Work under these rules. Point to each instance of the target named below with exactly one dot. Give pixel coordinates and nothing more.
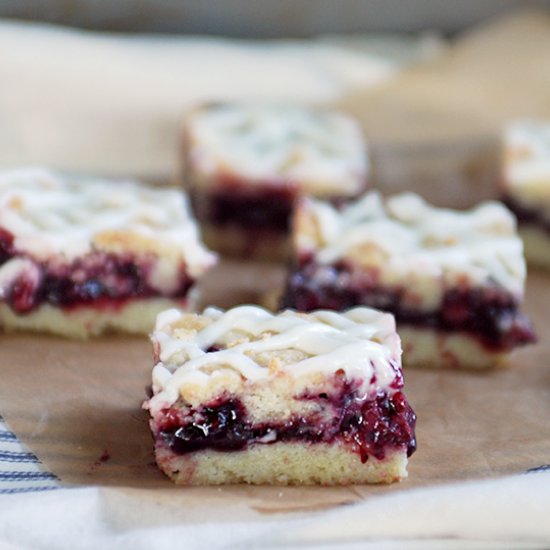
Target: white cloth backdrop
(506, 513)
(112, 104)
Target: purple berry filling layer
(256, 207)
(528, 215)
(97, 279)
(490, 314)
(370, 427)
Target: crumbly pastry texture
(526, 185)
(289, 398)
(526, 162)
(406, 239)
(79, 247)
(246, 165)
(427, 347)
(450, 275)
(322, 152)
(282, 464)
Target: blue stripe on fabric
(542, 468)
(25, 476)
(7, 436)
(17, 456)
(12, 481)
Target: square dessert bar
(526, 185)
(80, 257)
(453, 279)
(246, 396)
(246, 164)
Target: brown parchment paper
(77, 404)
(492, 72)
(439, 122)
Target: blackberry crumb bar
(246, 164)
(526, 185)
(246, 396)
(82, 257)
(453, 279)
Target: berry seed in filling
(314, 398)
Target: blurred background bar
(263, 18)
(432, 82)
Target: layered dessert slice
(526, 185)
(246, 396)
(82, 257)
(246, 164)
(453, 279)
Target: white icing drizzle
(404, 237)
(527, 160)
(323, 152)
(362, 342)
(58, 217)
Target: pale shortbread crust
(426, 347)
(282, 464)
(135, 317)
(240, 242)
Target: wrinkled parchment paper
(77, 405)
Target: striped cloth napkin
(502, 513)
(20, 470)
